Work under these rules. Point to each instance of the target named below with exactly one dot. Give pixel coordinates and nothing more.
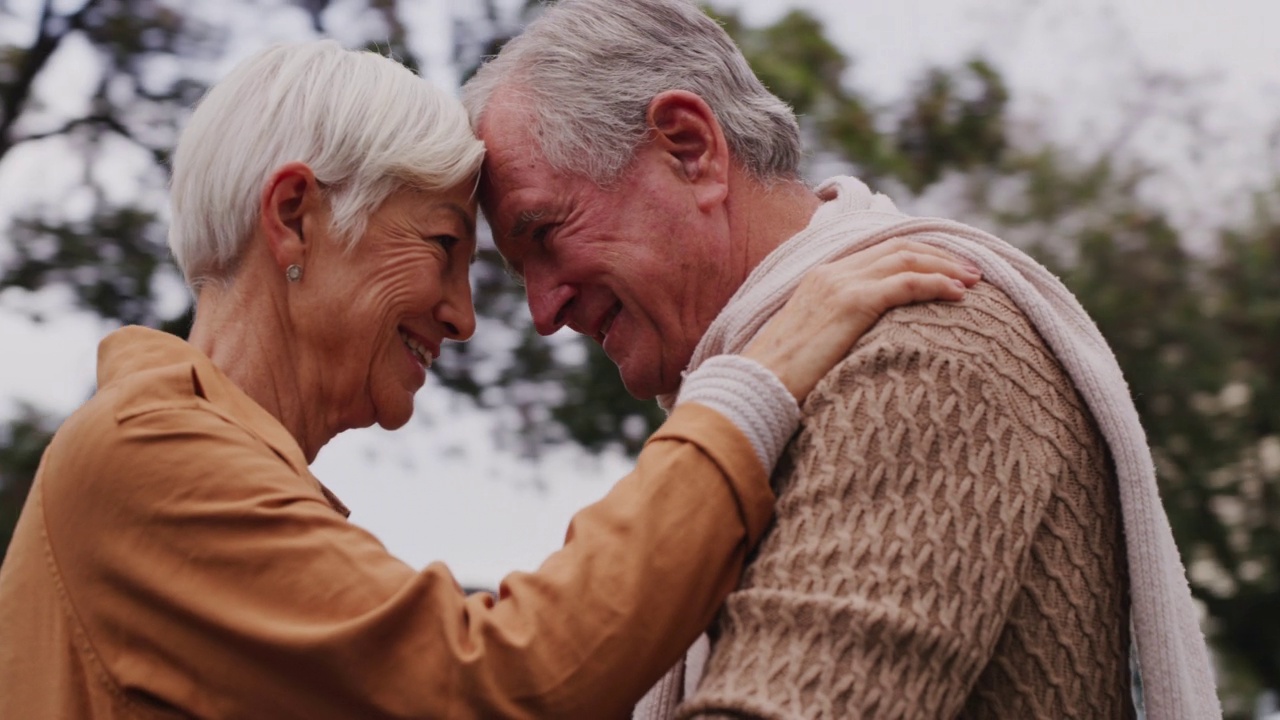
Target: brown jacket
(176, 557)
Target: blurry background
(1134, 147)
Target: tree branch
(33, 61)
(105, 121)
(15, 95)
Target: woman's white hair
(588, 69)
(365, 124)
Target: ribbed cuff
(751, 397)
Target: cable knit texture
(751, 397)
(948, 541)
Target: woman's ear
(686, 129)
(289, 197)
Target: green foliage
(1244, 492)
(793, 59)
(113, 279)
(956, 122)
(955, 119)
(108, 254)
(597, 414)
(22, 442)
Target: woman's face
(383, 308)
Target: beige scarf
(1177, 682)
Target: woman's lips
(420, 352)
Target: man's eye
(446, 241)
(542, 233)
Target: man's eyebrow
(524, 220)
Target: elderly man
(967, 523)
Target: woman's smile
(417, 350)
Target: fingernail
(960, 284)
(973, 269)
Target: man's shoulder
(984, 338)
(985, 319)
(985, 330)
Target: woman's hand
(837, 303)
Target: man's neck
(763, 217)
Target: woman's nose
(456, 312)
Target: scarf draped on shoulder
(1170, 650)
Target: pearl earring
(294, 273)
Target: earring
(294, 273)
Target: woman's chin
(395, 419)
(392, 399)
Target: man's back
(947, 540)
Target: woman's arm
(208, 576)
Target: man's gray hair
(365, 124)
(589, 68)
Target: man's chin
(647, 385)
(639, 393)
(394, 423)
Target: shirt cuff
(751, 397)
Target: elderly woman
(177, 558)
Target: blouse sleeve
(208, 576)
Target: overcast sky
(441, 490)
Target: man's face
(638, 268)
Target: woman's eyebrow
(468, 221)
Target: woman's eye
(446, 241)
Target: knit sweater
(1168, 645)
(947, 540)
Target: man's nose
(549, 302)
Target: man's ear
(291, 200)
(687, 131)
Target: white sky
(441, 490)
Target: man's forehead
(506, 128)
(511, 167)
(505, 197)
(514, 182)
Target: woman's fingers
(909, 256)
(900, 247)
(835, 304)
(911, 287)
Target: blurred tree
(109, 252)
(1199, 338)
(1240, 519)
(22, 442)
